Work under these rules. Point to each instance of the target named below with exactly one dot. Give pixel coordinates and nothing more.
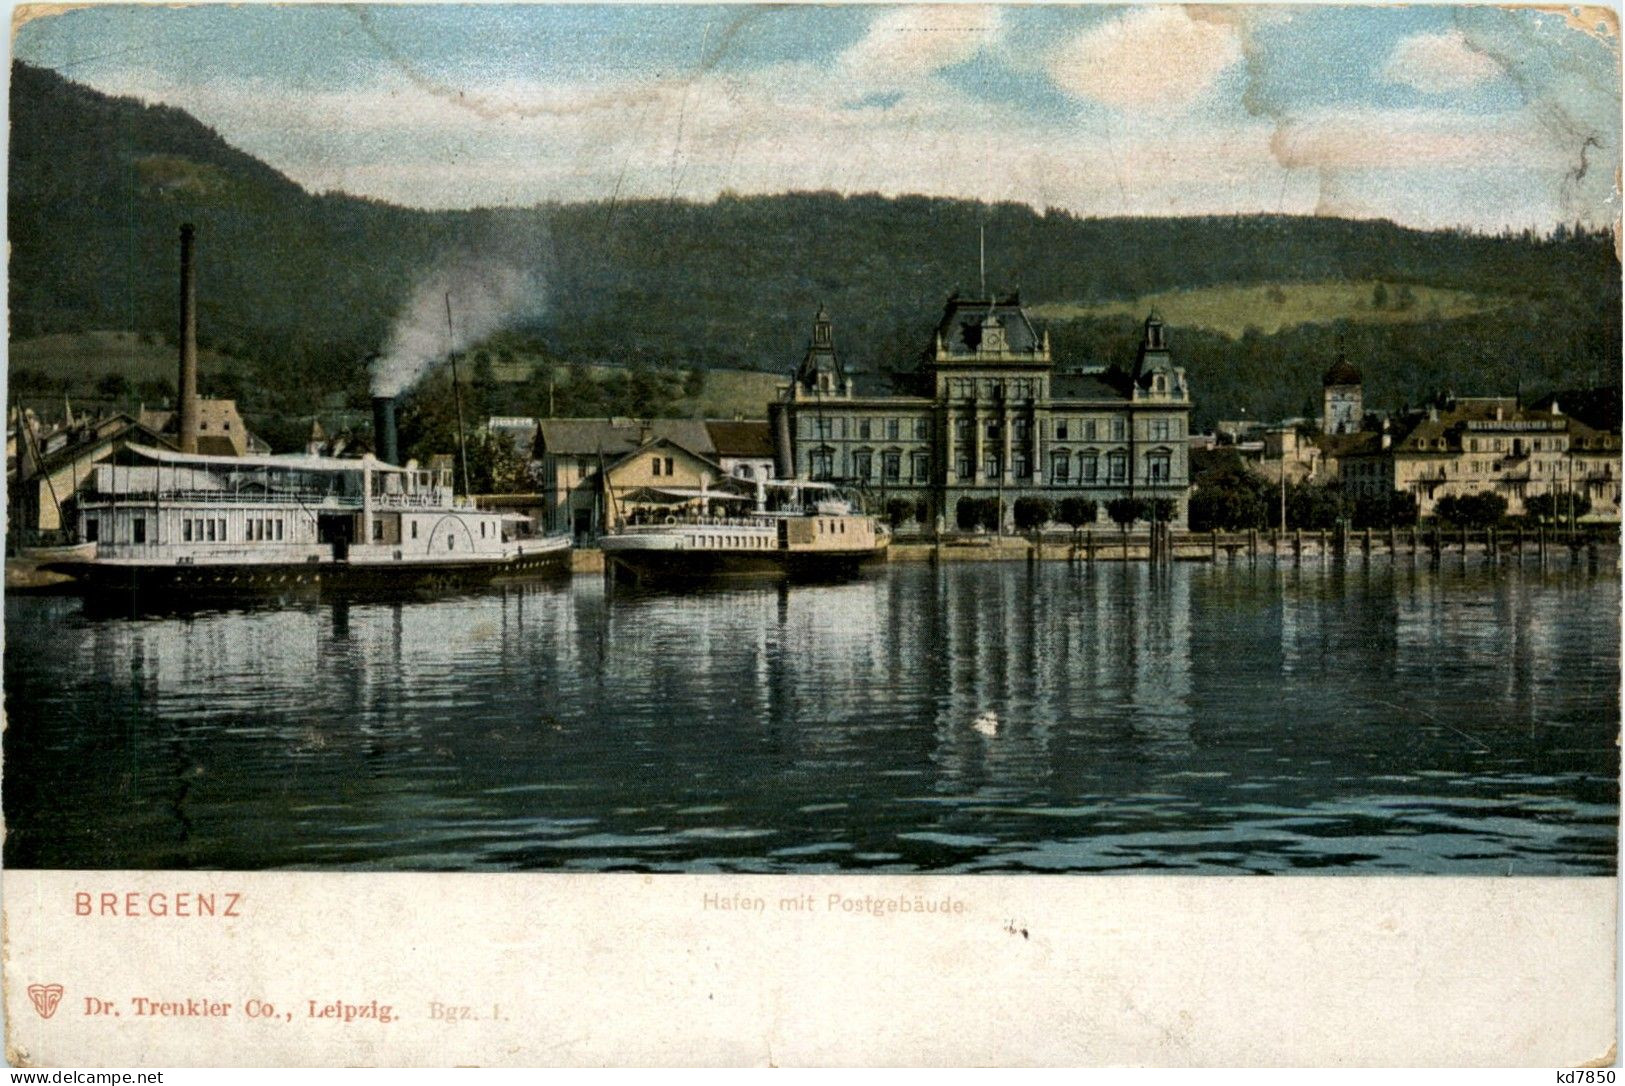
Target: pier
(1593, 547)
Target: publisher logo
(45, 997)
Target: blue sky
(1433, 116)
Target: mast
(981, 240)
(457, 396)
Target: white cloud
(1439, 63)
(1158, 59)
(915, 41)
(1411, 139)
(790, 126)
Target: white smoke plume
(486, 297)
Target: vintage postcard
(804, 535)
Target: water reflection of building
(1090, 667)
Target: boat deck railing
(765, 524)
(275, 496)
(279, 496)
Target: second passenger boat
(790, 530)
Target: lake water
(1381, 718)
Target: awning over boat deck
(280, 462)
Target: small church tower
(1155, 375)
(1341, 408)
(821, 371)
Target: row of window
(867, 429)
(1017, 388)
(1159, 466)
(264, 529)
(747, 542)
(891, 466)
(209, 530)
(199, 529)
(1064, 429)
(1499, 444)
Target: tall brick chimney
(187, 390)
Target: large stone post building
(988, 412)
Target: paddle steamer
(167, 526)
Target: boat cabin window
(93, 530)
(378, 531)
(186, 531)
(138, 526)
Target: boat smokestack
(383, 429)
(186, 390)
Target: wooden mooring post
(1297, 545)
(1213, 543)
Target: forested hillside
(301, 287)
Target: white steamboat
(806, 532)
(178, 527)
